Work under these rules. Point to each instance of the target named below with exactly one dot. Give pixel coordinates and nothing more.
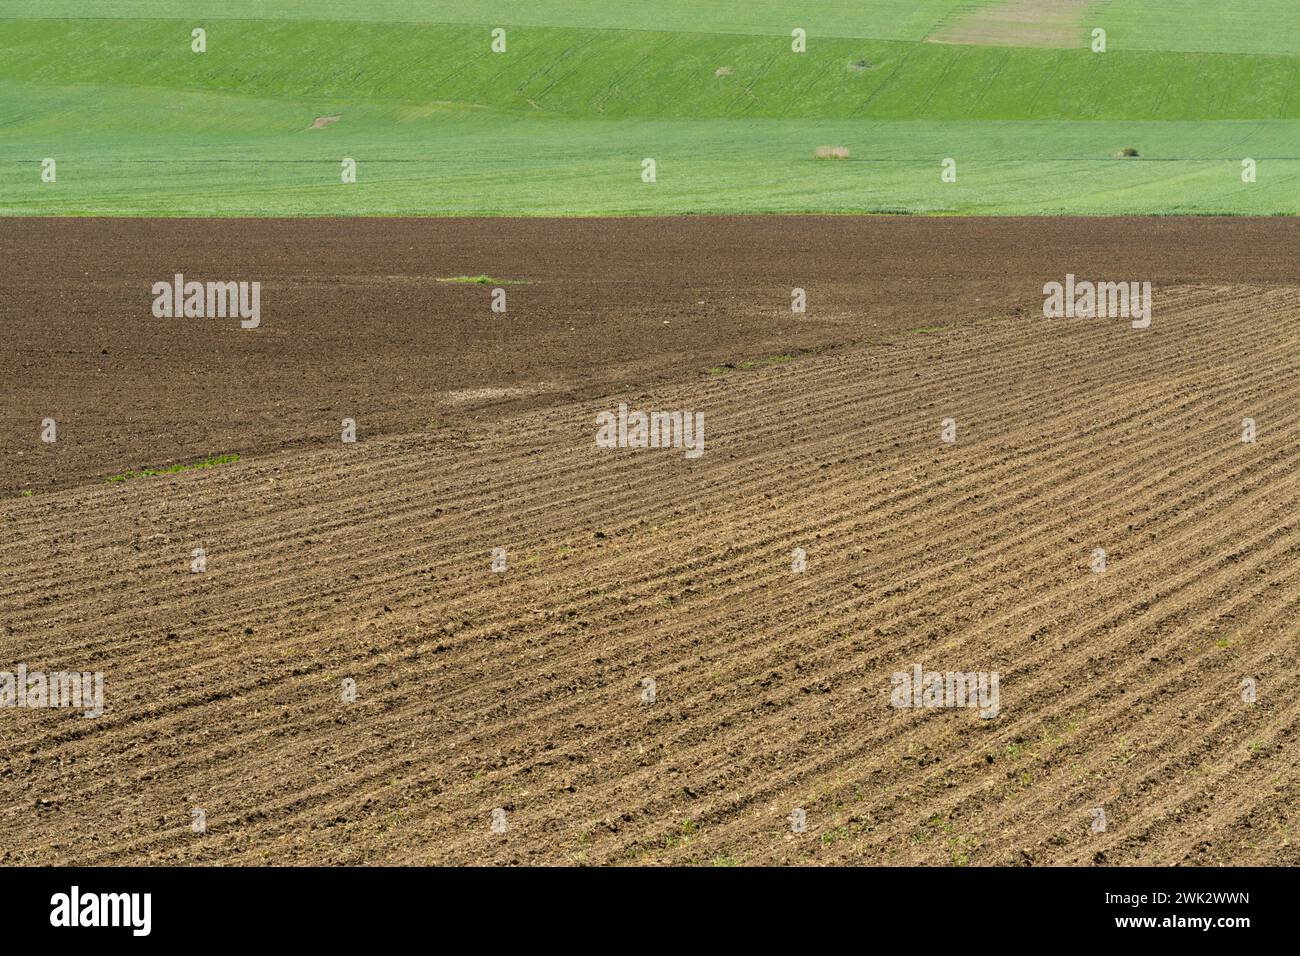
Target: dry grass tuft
(832, 152)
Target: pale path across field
(1039, 23)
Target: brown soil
(522, 691)
(355, 323)
(1041, 23)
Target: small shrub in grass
(832, 152)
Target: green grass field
(560, 122)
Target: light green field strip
(451, 161)
(1211, 26)
(887, 19)
(1253, 26)
(1196, 26)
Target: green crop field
(561, 122)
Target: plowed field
(525, 690)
